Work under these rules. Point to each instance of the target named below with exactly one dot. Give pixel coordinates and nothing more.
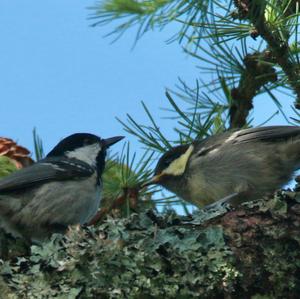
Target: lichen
(251, 252)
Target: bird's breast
(200, 192)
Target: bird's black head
(86, 147)
(73, 142)
(170, 156)
(171, 165)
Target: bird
(232, 167)
(60, 190)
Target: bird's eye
(168, 161)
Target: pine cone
(18, 154)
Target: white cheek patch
(86, 153)
(177, 167)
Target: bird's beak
(110, 141)
(154, 180)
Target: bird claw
(221, 205)
(215, 207)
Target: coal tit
(231, 167)
(60, 190)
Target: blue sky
(62, 76)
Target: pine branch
(150, 14)
(38, 145)
(275, 37)
(239, 74)
(122, 178)
(257, 73)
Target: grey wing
(270, 133)
(49, 169)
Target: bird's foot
(222, 205)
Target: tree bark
(250, 252)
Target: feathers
(265, 134)
(177, 166)
(249, 162)
(168, 157)
(48, 169)
(261, 134)
(60, 190)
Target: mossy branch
(252, 251)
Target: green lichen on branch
(240, 254)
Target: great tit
(60, 190)
(231, 167)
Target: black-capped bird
(231, 167)
(60, 190)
